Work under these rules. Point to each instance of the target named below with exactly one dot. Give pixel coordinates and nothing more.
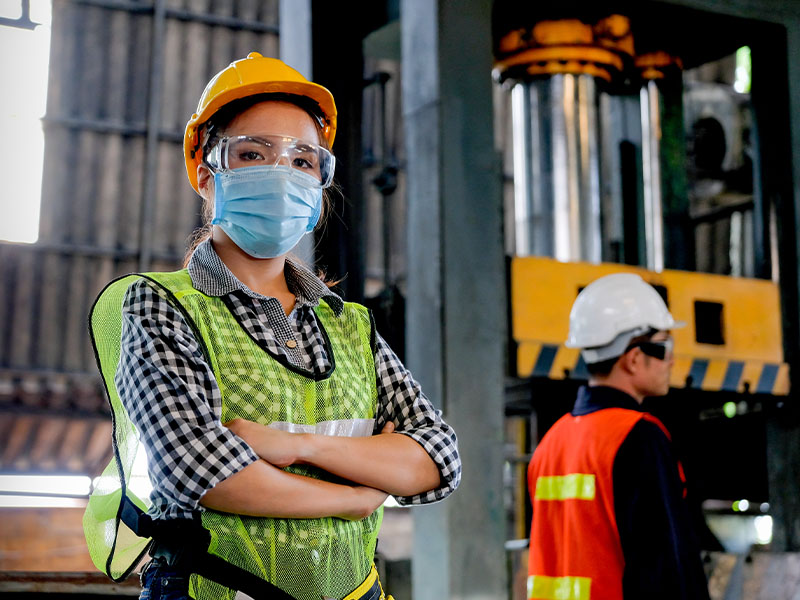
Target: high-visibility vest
(575, 550)
(305, 557)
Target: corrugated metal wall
(125, 76)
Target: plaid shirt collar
(212, 277)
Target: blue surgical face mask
(266, 210)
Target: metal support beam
(153, 125)
(456, 331)
(182, 15)
(24, 19)
(338, 62)
(296, 51)
(111, 127)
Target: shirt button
(291, 344)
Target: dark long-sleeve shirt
(662, 557)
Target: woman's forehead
(274, 117)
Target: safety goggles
(661, 350)
(273, 150)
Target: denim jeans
(162, 582)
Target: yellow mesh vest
(305, 557)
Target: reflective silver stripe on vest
(341, 427)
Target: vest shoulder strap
(656, 421)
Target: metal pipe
(561, 192)
(736, 246)
(107, 126)
(521, 98)
(557, 168)
(183, 15)
(153, 125)
(89, 251)
(589, 201)
(386, 193)
(650, 102)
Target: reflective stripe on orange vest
(574, 539)
(542, 587)
(580, 486)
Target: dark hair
(213, 130)
(602, 368)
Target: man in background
(609, 516)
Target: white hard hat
(622, 303)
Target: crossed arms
(170, 393)
(386, 463)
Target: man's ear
(630, 362)
(205, 181)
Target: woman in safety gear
(609, 517)
(269, 410)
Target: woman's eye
(250, 155)
(302, 163)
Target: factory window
(25, 36)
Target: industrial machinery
(637, 146)
(641, 136)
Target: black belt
(183, 545)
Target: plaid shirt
(171, 395)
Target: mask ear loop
(312, 222)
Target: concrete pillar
(456, 306)
(295, 50)
(783, 427)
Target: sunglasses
(660, 350)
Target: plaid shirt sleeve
(400, 400)
(171, 395)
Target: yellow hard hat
(249, 76)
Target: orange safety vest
(575, 551)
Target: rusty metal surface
(53, 423)
(66, 583)
(43, 443)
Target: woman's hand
(279, 448)
(263, 490)
(367, 501)
(387, 461)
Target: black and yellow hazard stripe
(536, 359)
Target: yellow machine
(733, 340)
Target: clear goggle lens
(273, 150)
